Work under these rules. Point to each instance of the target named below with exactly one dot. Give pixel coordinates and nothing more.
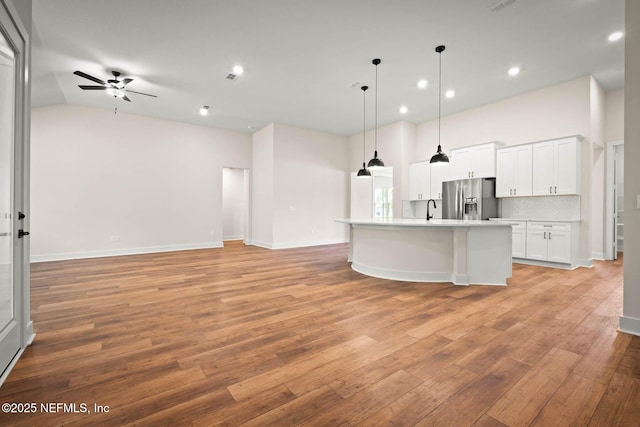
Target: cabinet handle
(555, 190)
(515, 190)
(550, 190)
(549, 235)
(545, 235)
(510, 192)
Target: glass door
(9, 315)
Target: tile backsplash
(543, 207)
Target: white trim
(597, 255)
(9, 368)
(609, 202)
(236, 237)
(630, 325)
(403, 276)
(292, 245)
(120, 252)
(580, 262)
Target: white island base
(460, 252)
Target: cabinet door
(536, 244)
(543, 167)
(460, 160)
(523, 170)
(505, 170)
(482, 161)
(439, 173)
(559, 246)
(419, 181)
(566, 169)
(519, 243)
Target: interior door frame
(609, 222)
(17, 34)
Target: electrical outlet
(115, 238)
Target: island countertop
(419, 222)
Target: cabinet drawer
(548, 226)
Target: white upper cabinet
(439, 173)
(425, 180)
(419, 181)
(514, 171)
(478, 161)
(556, 167)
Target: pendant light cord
(376, 124)
(364, 124)
(439, 97)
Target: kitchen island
(439, 250)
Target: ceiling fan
(114, 87)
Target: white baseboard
(598, 255)
(125, 251)
(235, 237)
(630, 325)
(575, 264)
(291, 245)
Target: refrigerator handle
(460, 199)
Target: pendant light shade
(364, 171)
(439, 157)
(376, 162)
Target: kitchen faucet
(434, 207)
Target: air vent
(500, 4)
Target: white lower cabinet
(549, 241)
(519, 240)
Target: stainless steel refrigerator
(469, 199)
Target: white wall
(154, 183)
(614, 115)
(234, 204)
(396, 147)
(630, 321)
(311, 187)
(262, 188)
(552, 112)
(597, 155)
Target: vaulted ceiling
(305, 60)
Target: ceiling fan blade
(92, 87)
(125, 98)
(139, 93)
(126, 81)
(87, 76)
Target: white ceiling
(302, 57)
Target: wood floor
(248, 336)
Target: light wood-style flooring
(248, 336)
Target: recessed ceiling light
(403, 109)
(514, 71)
(450, 93)
(614, 37)
(422, 84)
(204, 110)
(237, 69)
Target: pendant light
(439, 156)
(376, 162)
(364, 171)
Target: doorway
(614, 217)
(16, 330)
(235, 204)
